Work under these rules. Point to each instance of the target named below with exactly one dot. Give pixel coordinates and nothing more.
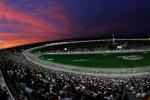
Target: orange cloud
(16, 39)
(10, 14)
(31, 29)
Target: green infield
(101, 60)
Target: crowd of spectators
(94, 46)
(4, 95)
(28, 81)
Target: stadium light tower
(113, 38)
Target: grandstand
(29, 77)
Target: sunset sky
(29, 21)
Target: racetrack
(112, 72)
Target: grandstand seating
(28, 81)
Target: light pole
(113, 38)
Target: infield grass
(100, 60)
